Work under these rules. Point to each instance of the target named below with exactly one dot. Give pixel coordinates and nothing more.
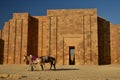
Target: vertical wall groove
(90, 42)
(42, 41)
(15, 42)
(49, 35)
(84, 41)
(63, 51)
(8, 42)
(21, 41)
(56, 36)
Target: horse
(48, 59)
(33, 61)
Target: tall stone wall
(118, 44)
(94, 40)
(20, 35)
(115, 45)
(47, 36)
(43, 35)
(74, 28)
(15, 34)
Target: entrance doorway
(71, 55)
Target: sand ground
(64, 72)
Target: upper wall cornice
(21, 15)
(65, 12)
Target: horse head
(25, 59)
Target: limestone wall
(74, 28)
(95, 40)
(43, 35)
(115, 45)
(15, 34)
(68, 12)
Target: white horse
(32, 61)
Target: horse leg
(51, 65)
(54, 63)
(54, 66)
(34, 66)
(42, 67)
(30, 68)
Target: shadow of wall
(32, 37)
(104, 54)
(1, 51)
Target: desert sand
(63, 72)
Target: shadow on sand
(59, 69)
(66, 69)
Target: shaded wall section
(104, 41)
(32, 47)
(1, 48)
(43, 35)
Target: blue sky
(109, 9)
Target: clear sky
(109, 9)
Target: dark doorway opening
(71, 55)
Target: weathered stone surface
(114, 43)
(5, 37)
(94, 40)
(18, 42)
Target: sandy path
(66, 72)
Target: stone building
(72, 36)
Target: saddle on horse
(45, 58)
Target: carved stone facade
(73, 37)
